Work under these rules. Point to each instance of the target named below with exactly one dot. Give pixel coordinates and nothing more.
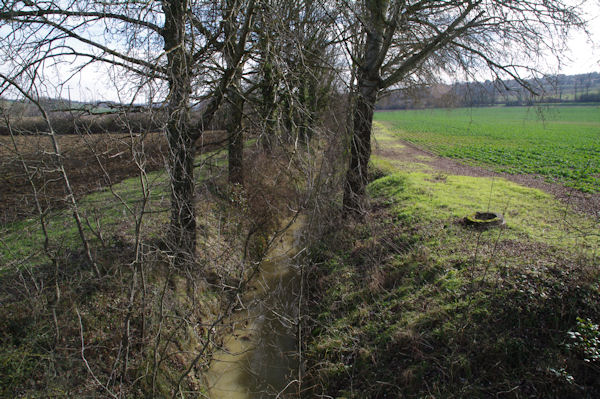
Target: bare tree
(269, 68)
(294, 69)
(172, 42)
(234, 55)
(400, 39)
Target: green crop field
(561, 143)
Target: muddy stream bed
(259, 355)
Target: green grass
(412, 303)
(560, 142)
(530, 214)
(22, 241)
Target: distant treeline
(582, 88)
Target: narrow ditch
(259, 355)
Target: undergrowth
(145, 327)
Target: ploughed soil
(409, 153)
(92, 162)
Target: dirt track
(409, 153)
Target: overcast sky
(583, 57)
(584, 54)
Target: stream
(258, 358)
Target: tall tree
(172, 42)
(295, 54)
(399, 38)
(268, 29)
(233, 54)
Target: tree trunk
(235, 135)
(181, 163)
(235, 100)
(305, 116)
(369, 83)
(179, 135)
(360, 152)
(269, 98)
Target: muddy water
(258, 358)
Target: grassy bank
(411, 302)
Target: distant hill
(583, 88)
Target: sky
(583, 56)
